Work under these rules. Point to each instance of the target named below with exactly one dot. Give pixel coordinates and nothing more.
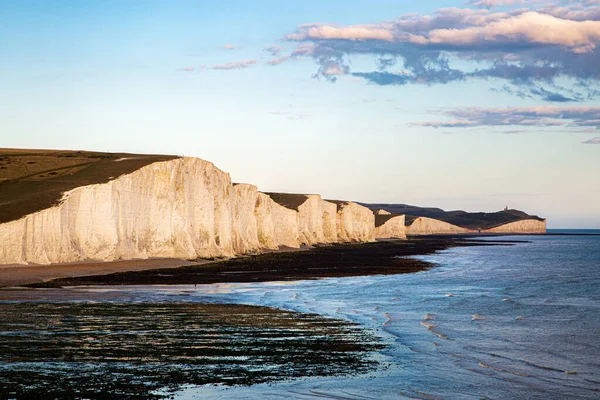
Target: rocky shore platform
(345, 260)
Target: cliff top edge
(34, 179)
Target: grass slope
(33, 180)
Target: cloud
(277, 61)
(531, 50)
(291, 115)
(187, 69)
(529, 28)
(495, 3)
(595, 140)
(273, 49)
(301, 52)
(569, 118)
(229, 46)
(234, 65)
(356, 32)
(384, 78)
(514, 131)
(575, 10)
(353, 79)
(330, 69)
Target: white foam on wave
(429, 317)
(431, 328)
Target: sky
(472, 105)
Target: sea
(519, 320)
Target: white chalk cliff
(355, 223)
(392, 228)
(183, 208)
(524, 226)
(277, 225)
(429, 226)
(188, 208)
(317, 221)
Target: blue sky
(457, 105)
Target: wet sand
(131, 350)
(378, 258)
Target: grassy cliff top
(381, 219)
(464, 219)
(339, 203)
(33, 180)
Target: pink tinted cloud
(527, 27)
(355, 32)
(531, 27)
(568, 117)
(530, 48)
(495, 3)
(234, 65)
(279, 60)
(273, 49)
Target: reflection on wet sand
(86, 350)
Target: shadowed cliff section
(471, 221)
(340, 204)
(288, 200)
(34, 180)
(381, 219)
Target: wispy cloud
(300, 52)
(273, 49)
(187, 69)
(530, 49)
(568, 118)
(290, 114)
(495, 3)
(277, 61)
(234, 65)
(595, 140)
(229, 46)
(353, 79)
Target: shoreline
(18, 275)
(341, 260)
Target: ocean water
(518, 321)
(498, 322)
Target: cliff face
(183, 208)
(187, 208)
(473, 221)
(525, 226)
(393, 228)
(179, 208)
(277, 225)
(355, 223)
(245, 226)
(429, 226)
(317, 221)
